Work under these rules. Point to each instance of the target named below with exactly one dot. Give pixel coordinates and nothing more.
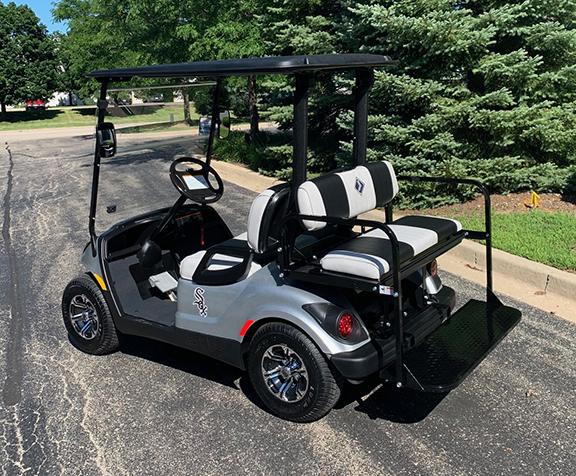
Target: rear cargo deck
(446, 357)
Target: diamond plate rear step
(449, 354)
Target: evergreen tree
(482, 89)
(28, 66)
(298, 28)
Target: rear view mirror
(224, 129)
(106, 139)
(204, 126)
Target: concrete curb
(544, 278)
(535, 284)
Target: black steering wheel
(194, 178)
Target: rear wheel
(87, 317)
(290, 374)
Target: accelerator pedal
(446, 357)
(165, 283)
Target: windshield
(151, 132)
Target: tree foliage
(298, 28)
(28, 66)
(482, 89)
(119, 33)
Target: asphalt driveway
(159, 410)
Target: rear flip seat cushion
(370, 255)
(443, 227)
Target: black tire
(315, 389)
(83, 298)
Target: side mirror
(224, 129)
(106, 139)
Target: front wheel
(290, 374)
(87, 318)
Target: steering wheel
(193, 178)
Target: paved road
(158, 410)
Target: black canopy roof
(246, 67)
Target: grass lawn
(86, 116)
(548, 238)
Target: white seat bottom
(370, 255)
(218, 262)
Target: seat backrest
(348, 193)
(267, 211)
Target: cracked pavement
(155, 409)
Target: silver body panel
(264, 295)
(94, 266)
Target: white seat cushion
(347, 194)
(420, 239)
(370, 255)
(218, 262)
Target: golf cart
(310, 295)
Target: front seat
(239, 257)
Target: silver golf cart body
(306, 260)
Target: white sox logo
(200, 303)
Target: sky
(42, 10)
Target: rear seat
(347, 194)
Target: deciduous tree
(140, 32)
(28, 65)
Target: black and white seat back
(347, 194)
(267, 211)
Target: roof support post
(364, 83)
(304, 83)
(215, 120)
(102, 106)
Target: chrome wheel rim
(84, 317)
(285, 374)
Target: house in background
(63, 99)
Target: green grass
(158, 127)
(85, 116)
(548, 238)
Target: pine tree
(482, 89)
(304, 27)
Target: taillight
(345, 325)
(433, 268)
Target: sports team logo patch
(359, 186)
(200, 303)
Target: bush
(270, 154)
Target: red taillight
(345, 325)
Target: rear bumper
(378, 354)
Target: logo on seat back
(359, 186)
(200, 303)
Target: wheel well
(90, 274)
(107, 293)
(257, 325)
